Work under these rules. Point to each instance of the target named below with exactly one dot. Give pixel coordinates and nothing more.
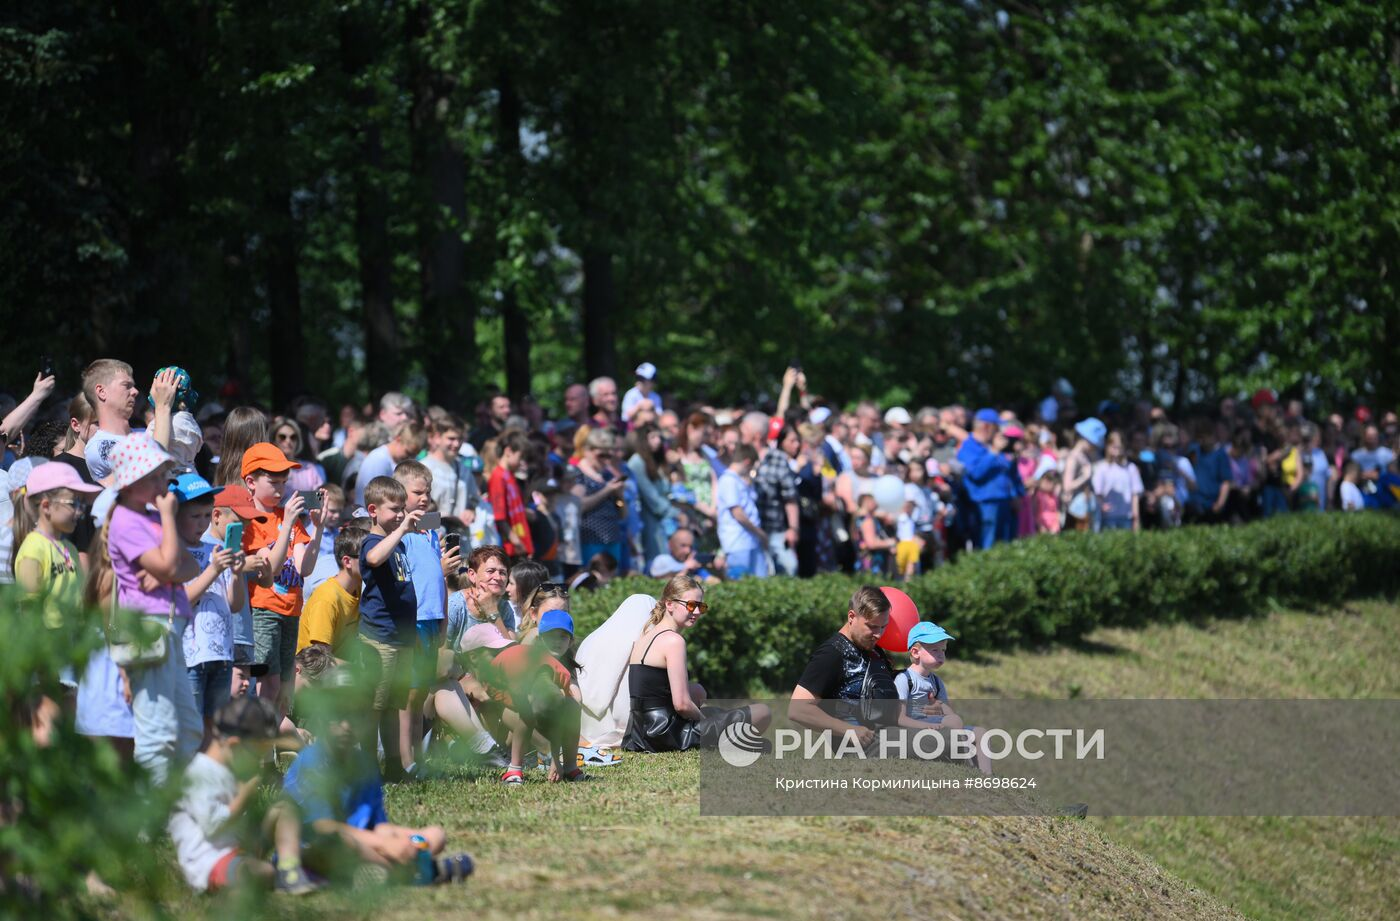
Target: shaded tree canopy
(920, 202)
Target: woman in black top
(667, 712)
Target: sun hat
(136, 456)
(928, 633)
(1092, 431)
(266, 457)
(483, 636)
(46, 477)
(1014, 431)
(185, 394)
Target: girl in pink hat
(149, 566)
(46, 563)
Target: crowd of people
(412, 568)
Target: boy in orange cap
(291, 553)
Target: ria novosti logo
(741, 744)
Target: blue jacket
(989, 476)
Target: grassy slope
(634, 841)
(1269, 868)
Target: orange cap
(267, 457)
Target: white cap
(898, 415)
(646, 371)
(819, 415)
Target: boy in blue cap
(214, 595)
(924, 693)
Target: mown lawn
(1268, 868)
(633, 842)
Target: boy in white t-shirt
(1352, 499)
(207, 821)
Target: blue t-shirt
(342, 788)
(1211, 470)
(377, 463)
(731, 492)
(388, 605)
(425, 569)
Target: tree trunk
(286, 343)
(448, 314)
(383, 368)
(517, 324)
(599, 304)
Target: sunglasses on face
(692, 606)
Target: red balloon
(903, 617)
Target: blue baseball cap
(988, 415)
(928, 633)
(191, 486)
(1092, 431)
(556, 620)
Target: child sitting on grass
(213, 844)
(523, 690)
(924, 694)
(336, 786)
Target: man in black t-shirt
(848, 685)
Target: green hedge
(759, 633)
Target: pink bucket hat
(483, 636)
(136, 456)
(47, 477)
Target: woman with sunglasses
(547, 596)
(292, 440)
(668, 712)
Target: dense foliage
(759, 633)
(919, 201)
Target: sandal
(597, 757)
(513, 776)
(574, 776)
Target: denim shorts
(212, 685)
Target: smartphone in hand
(453, 541)
(233, 536)
(311, 499)
(430, 521)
